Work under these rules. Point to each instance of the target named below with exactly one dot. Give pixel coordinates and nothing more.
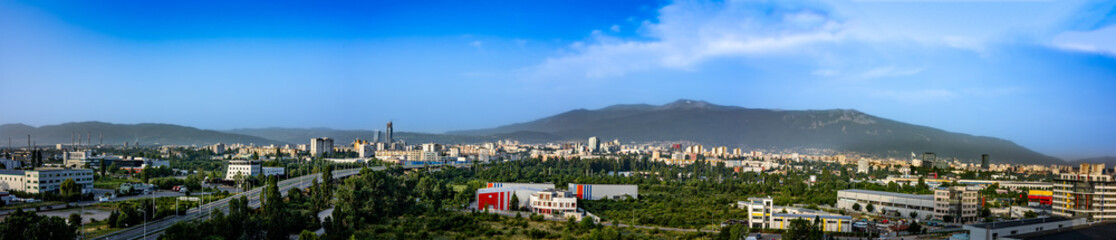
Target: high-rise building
(318, 146)
(376, 136)
(388, 134)
(218, 148)
(984, 162)
(862, 166)
(1085, 193)
(594, 144)
(956, 204)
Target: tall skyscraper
(928, 158)
(388, 133)
(984, 162)
(594, 144)
(376, 136)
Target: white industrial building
(250, 168)
(604, 191)
(45, 179)
(539, 186)
(887, 203)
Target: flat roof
(11, 172)
(1098, 231)
(901, 195)
(1021, 222)
(810, 216)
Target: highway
(155, 228)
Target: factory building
(604, 191)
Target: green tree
(913, 214)
(514, 202)
(914, 228)
(733, 232)
(801, 229)
(870, 208)
(1030, 214)
(22, 225)
(307, 235)
(75, 220)
(69, 189)
(856, 206)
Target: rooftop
(1016, 223)
(1099, 231)
(899, 195)
(811, 216)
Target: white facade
(552, 201)
(318, 146)
(604, 191)
(895, 204)
(44, 180)
(243, 168)
(958, 203)
(366, 151)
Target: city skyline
(1037, 73)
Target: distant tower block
(984, 162)
(388, 135)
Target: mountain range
(829, 131)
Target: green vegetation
(22, 225)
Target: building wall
(829, 223)
(980, 232)
(540, 186)
(603, 191)
(244, 168)
(1085, 195)
(923, 205)
(45, 180)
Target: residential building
(218, 148)
(594, 144)
(604, 191)
(319, 146)
(887, 203)
(862, 166)
(366, 151)
(956, 204)
(45, 179)
(1089, 193)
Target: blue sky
(1040, 73)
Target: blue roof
(11, 172)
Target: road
(154, 229)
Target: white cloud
(825, 72)
(476, 44)
(890, 71)
(689, 33)
(615, 28)
(1101, 41)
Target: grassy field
(97, 229)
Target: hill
(772, 130)
(303, 135)
(117, 134)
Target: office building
(604, 191)
(958, 204)
(594, 144)
(887, 203)
(319, 146)
(553, 201)
(984, 162)
(862, 166)
(45, 179)
(388, 135)
(1088, 193)
(249, 168)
